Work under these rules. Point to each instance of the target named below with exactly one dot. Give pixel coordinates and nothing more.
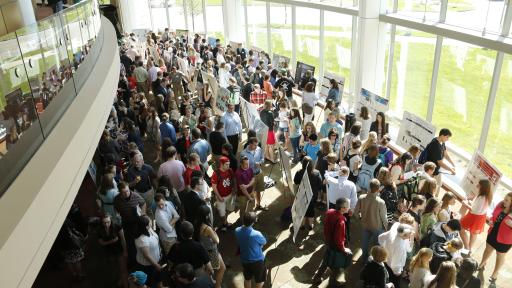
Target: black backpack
(407, 189)
(389, 195)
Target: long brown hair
(107, 183)
(364, 113)
(325, 146)
(485, 189)
(446, 276)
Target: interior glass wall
(499, 145)
(195, 12)
(476, 14)
(338, 41)
(214, 19)
(281, 29)
(158, 14)
(308, 36)
(412, 72)
(463, 85)
(257, 24)
(421, 9)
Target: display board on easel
(326, 86)
(284, 159)
(373, 102)
(301, 203)
(280, 62)
(479, 168)
(300, 71)
(415, 130)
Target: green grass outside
(453, 5)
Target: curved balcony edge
(35, 205)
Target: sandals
(492, 280)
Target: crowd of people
(163, 225)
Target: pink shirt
(174, 169)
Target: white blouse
(479, 206)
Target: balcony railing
(41, 73)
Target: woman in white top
(445, 213)
(284, 123)
(148, 252)
(474, 220)
(166, 217)
(366, 120)
(224, 75)
(309, 97)
(419, 268)
(398, 242)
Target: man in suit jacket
(192, 199)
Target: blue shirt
(167, 130)
(334, 94)
(327, 126)
(202, 148)
(312, 150)
(251, 242)
(254, 157)
(232, 124)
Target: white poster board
(479, 168)
(234, 44)
(415, 130)
(261, 131)
(285, 167)
(301, 203)
(221, 100)
(249, 113)
(373, 102)
(326, 85)
(280, 62)
(92, 171)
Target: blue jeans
(369, 239)
(295, 147)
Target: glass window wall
(281, 29)
(463, 85)
(257, 24)
(214, 19)
(308, 36)
(476, 14)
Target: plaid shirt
(258, 98)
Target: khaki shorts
(439, 181)
(259, 182)
(226, 206)
(167, 244)
(244, 204)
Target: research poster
(479, 168)
(234, 44)
(374, 102)
(301, 203)
(415, 130)
(249, 112)
(301, 69)
(211, 41)
(280, 62)
(221, 100)
(285, 167)
(326, 85)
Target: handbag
(308, 109)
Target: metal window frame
(321, 48)
(294, 37)
(269, 35)
(205, 19)
(246, 22)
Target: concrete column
(370, 40)
(15, 14)
(233, 19)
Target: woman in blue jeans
(295, 132)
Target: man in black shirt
(190, 251)
(436, 152)
(308, 77)
(247, 88)
(185, 277)
(216, 140)
(285, 84)
(141, 178)
(191, 199)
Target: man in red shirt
(258, 96)
(334, 234)
(223, 184)
(192, 165)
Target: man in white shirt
(166, 217)
(338, 186)
(132, 52)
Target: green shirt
(141, 75)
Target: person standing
(341, 188)
(148, 252)
(201, 147)
(192, 199)
(167, 130)
(251, 242)
(255, 155)
(336, 253)
(174, 169)
(436, 152)
(129, 206)
(217, 139)
(371, 210)
(309, 99)
(142, 77)
(245, 181)
(142, 178)
(166, 217)
(499, 238)
(232, 127)
(223, 184)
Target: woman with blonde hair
(388, 191)
(474, 220)
(419, 268)
(372, 139)
(445, 277)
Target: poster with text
(301, 203)
(249, 113)
(374, 102)
(479, 168)
(261, 131)
(326, 86)
(300, 71)
(280, 62)
(415, 130)
(285, 167)
(234, 44)
(256, 55)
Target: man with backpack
(441, 232)
(372, 212)
(436, 152)
(369, 168)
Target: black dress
(492, 237)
